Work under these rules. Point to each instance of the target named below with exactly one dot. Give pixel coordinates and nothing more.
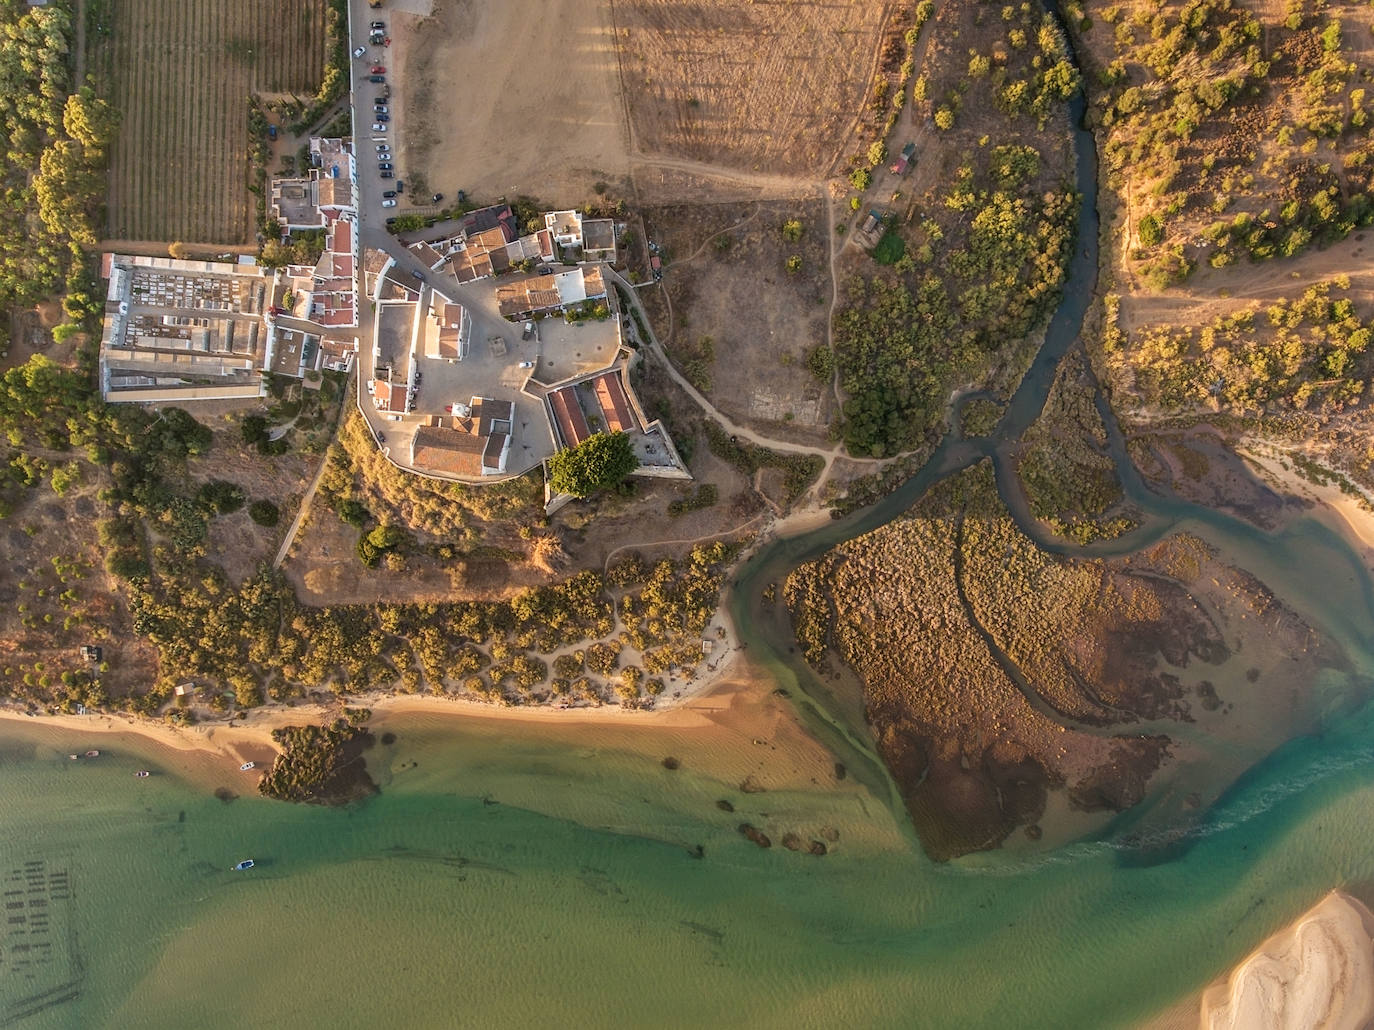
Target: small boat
(248, 765)
(247, 863)
(142, 773)
(92, 754)
(73, 757)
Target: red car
(377, 69)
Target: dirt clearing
(516, 97)
(749, 288)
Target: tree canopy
(598, 462)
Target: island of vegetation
(321, 765)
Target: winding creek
(1309, 566)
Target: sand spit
(1316, 973)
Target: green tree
(877, 152)
(791, 230)
(944, 119)
(600, 461)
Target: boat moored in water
(247, 863)
(142, 774)
(93, 753)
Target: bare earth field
(180, 73)
(744, 85)
(737, 322)
(482, 112)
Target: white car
(359, 51)
(379, 127)
(388, 203)
(527, 364)
(382, 148)
(381, 109)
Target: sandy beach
(1352, 517)
(1318, 972)
(735, 725)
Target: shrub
(1151, 231)
(264, 513)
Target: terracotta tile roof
(615, 409)
(448, 450)
(572, 424)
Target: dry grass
(746, 85)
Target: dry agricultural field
(505, 98)
(760, 87)
(180, 72)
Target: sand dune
(1316, 973)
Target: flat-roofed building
(598, 239)
(182, 330)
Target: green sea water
(504, 880)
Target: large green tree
(598, 462)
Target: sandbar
(1318, 972)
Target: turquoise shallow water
(576, 901)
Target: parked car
(379, 100)
(527, 364)
(378, 127)
(421, 277)
(389, 194)
(381, 108)
(385, 166)
(438, 198)
(376, 78)
(271, 132)
(383, 117)
(382, 148)
(388, 175)
(359, 51)
(378, 25)
(400, 186)
(379, 69)
(388, 203)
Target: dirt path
(677, 543)
(300, 515)
(79, 71)
(766, 185)
(707, 242)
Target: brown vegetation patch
(990, 669)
